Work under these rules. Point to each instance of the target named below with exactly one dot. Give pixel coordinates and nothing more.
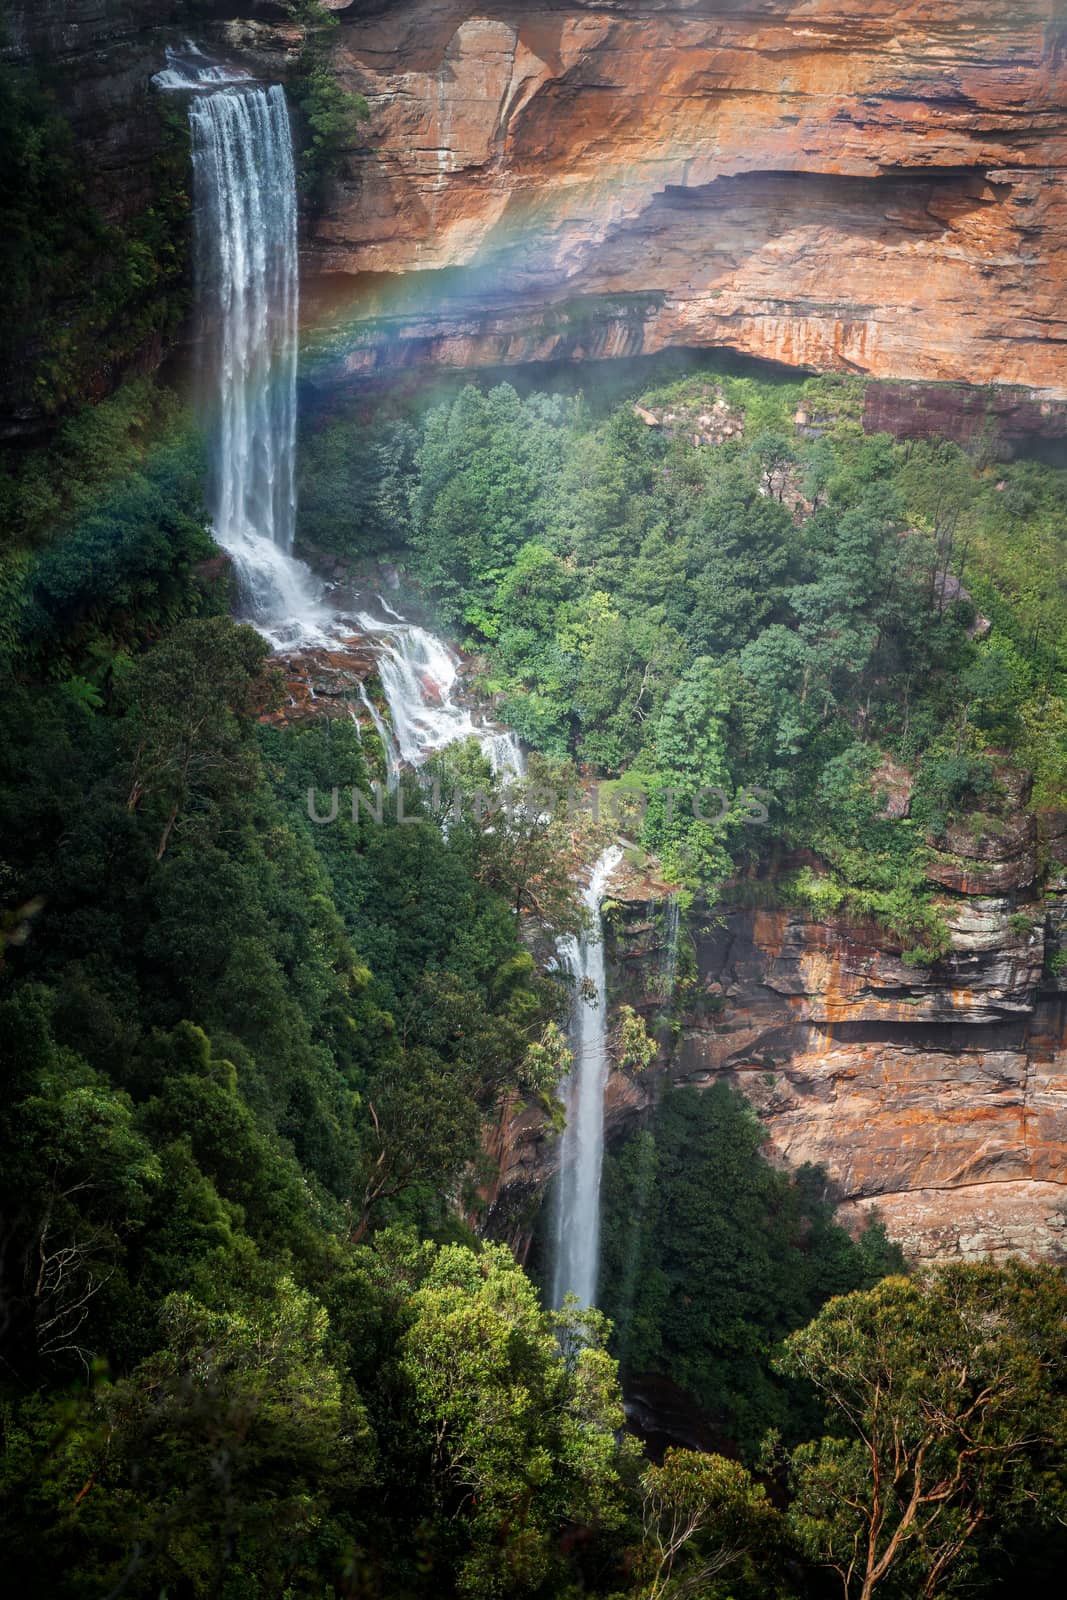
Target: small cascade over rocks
(189, 68)
(388, 743)
(577, 1231)
(419, 675)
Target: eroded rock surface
(936, 1095)
(867, 186)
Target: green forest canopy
(253, 1340)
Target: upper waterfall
(247, 264)
(247, 274)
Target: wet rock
(322, 683)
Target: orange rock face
(934, 1095)
(867, 185)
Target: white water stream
(248, 303)
(244, 184)
(419, 675)
(577, 1255)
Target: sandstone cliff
(936, 1095)
(873, 186)
(868, 185)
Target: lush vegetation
(780, 610)
(84, 296)
(253, 1339)
(332, 114)
(711, 1256)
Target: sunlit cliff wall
(935, 1095)
(869, 185)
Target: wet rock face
(320, 683)
(951, 411)
(872, 187)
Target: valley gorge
(533, 799)
(869, 189)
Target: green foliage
(218, 1460)
(947, 783)
(673, 611)
(710, 1256)
(107, 528)
(948, 1418)
(83, 296)
(480, 466)
(218, 1102)
(189, 702)
(333, 114)
(703, 1515)
(353, 487)
(526, 1432)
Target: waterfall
(244, 187)
(388, 744)
(419, 674)
(582, 1147)
(504, 752)
(671, 926)
(189, 68)
(247, 275)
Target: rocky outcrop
(322, 683)
(972, 417)
(872, 187)
(938, 1098)
(936, 1095)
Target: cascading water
(189, 68)
(582, 1149)
(671, 928)
(248, 298)
(419, 674)
(388, 743)
(244, 186)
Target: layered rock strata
(936, 1096)
(871, 187)
(867, 187)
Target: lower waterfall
(577, 1230)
